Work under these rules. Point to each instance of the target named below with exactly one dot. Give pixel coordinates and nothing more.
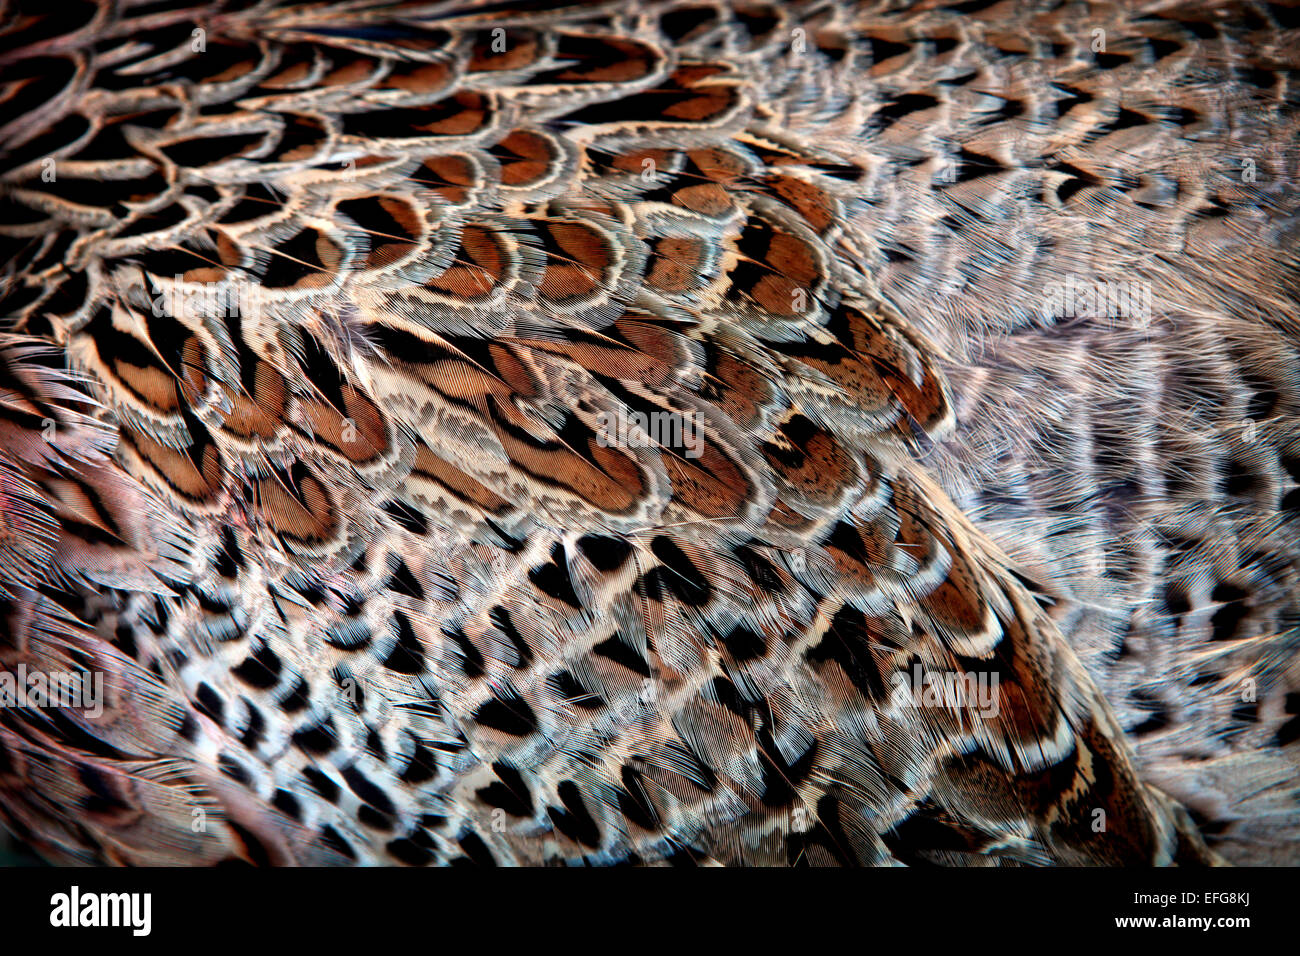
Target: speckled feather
(316, 319)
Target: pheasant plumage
(543, 432)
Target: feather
(532, 434)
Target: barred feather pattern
(549, 433)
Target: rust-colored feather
(832, 432)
